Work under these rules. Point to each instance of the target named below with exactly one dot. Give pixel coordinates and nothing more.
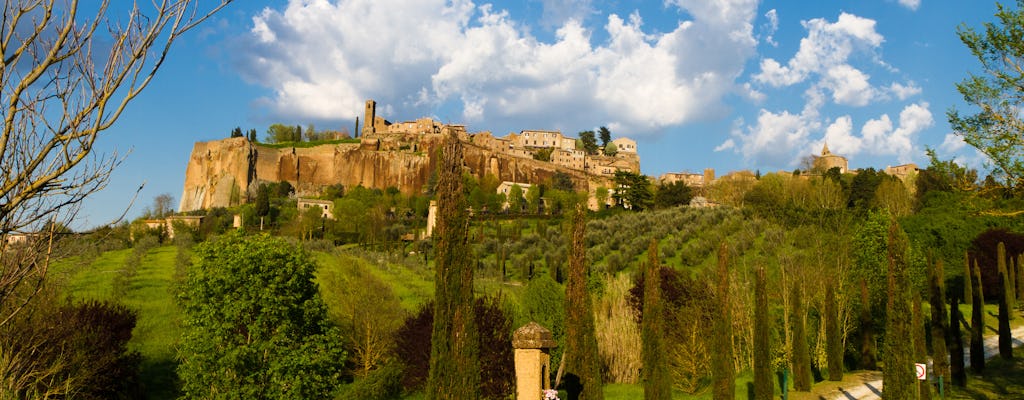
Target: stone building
(692, 180)
(625, 145)
(325, 205)
(827, 160)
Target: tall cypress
(582, 359)
(968, 277)
(454, 357)
(868, 348)
(899, 373)
(1004, 269)
(764, 385)
(833, 335)
(956, 342)
(801, 353)
(1019, 267)
(977, 321)
(920, 345)
(657, 381)
(937, 292)
(1005, 305)
(723, 374)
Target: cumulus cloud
(322, 59)
(904, 92)
(825, 53)
(782, 138)
(911, 4)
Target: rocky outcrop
(227, 172)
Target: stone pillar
(533, 363)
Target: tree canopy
(255, 325)
(995, 129)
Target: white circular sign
(922, 371)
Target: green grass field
(157, 334)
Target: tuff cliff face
(221, 173)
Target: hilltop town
(387, 154)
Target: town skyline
(731, 86)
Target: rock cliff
(226, 172)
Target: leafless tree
(66, 74)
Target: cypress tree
(1004, 269)
(977, 321)
(657, 382)
(723, 374)
(968, 277)
(1005, 305)
(898, 375)
(937, 291)
(868, 349)
(833, 335)
(454, 356)
(582, 358)
(764, 386)
(1020, 279)
(920, 346)
(801, 353)
(956, 343)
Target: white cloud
(849, 86)
(773, 138)
(952, 143)
(827, 46)
(781, 139)
(771, 26)
(322, 59)
(558, 12)
(904, 92)
(839, 137)
(911, 4)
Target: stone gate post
(533, 362)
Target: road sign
(922, 371)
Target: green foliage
(515, 199)
(255, 325)
(454, 355)
(496, 375)
(605, 135)
(899, 375)
(833, 335)
(583, 363)
(870, 248)
(543, 301)
(589, 142)
(939, 323)
(562, 181)
(611, 149)
(384, 383)
(984, 250)
(237, 132)
(632, 190)
(655, 374)
(543, 154)
(722, 371)
(977, 321)
(995, 129)
(1006, 304)
(956, 343)
(280, 133)
(800, 356)
(673, 194)
(764, 381)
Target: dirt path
(872, 389)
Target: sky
(723, 84)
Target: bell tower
(370, 118)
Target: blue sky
(725, 84)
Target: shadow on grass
(160, 378)
(1001, 379)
